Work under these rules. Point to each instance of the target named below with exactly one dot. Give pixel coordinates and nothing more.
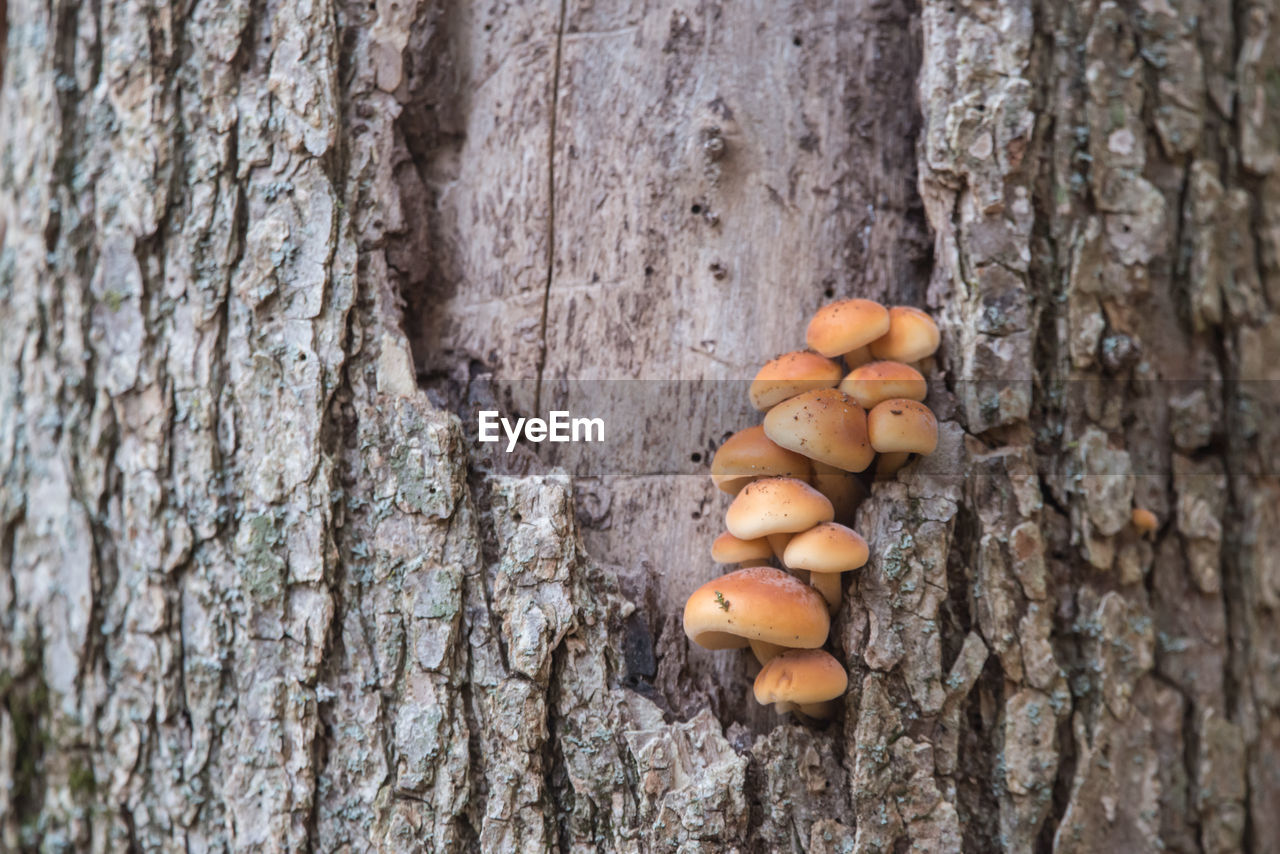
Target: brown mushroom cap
(844, 326)
(1144, 520)
(776, 505)
(879, 381)
(899, 424)
(827, 548)
(825, 425)
(912, 336)
(750, 454)
(760, 603)
(730, 549)
(789, 375)
(801, 676)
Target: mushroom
(879, 381)
(789, 375)
(825, 425)
(844, 326)
(776, 505)
(827, 550)
(1145, 521)
(897, 425)
(730, 549)
(912, 336)
(762, 607)
(807, 679)
(750, 454)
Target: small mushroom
(730, 549)
(789, 375)
(1145, 521)
(750, 454)
(844, 326)
(804, 679)
(825, 425)
(827, 550)
(776, 505)
(897, 425)
(879, 381)
(760, 606)
(912, 336)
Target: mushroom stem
(887, 465)
(828, 584)
(819, 711)
(778, 542)
(765, 650)
(746, 564)
(782, 707)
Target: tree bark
(260, 262)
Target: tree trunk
(261, 261)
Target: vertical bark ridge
(552, 153)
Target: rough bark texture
(256, 592)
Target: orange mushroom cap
(844, 326)
(750, 454)
(730, 549)
(789, 375)
(879, 381)
(825, 425)
(760, 603)
(776, 505)
(827, 548)
(801, 676)
(899, 424)
(912, 336)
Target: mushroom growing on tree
(791, 374)
(826, 551)
(748, 455)
(899, 425)
(825, 425)
(912, 335)
(760, 606)
(876, 381)
(814, 435)
(842, 327)
(1145, 521)
(803, 679)
(730, 549)
(776, 505)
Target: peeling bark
(259, 591)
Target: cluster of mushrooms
(794, 481)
